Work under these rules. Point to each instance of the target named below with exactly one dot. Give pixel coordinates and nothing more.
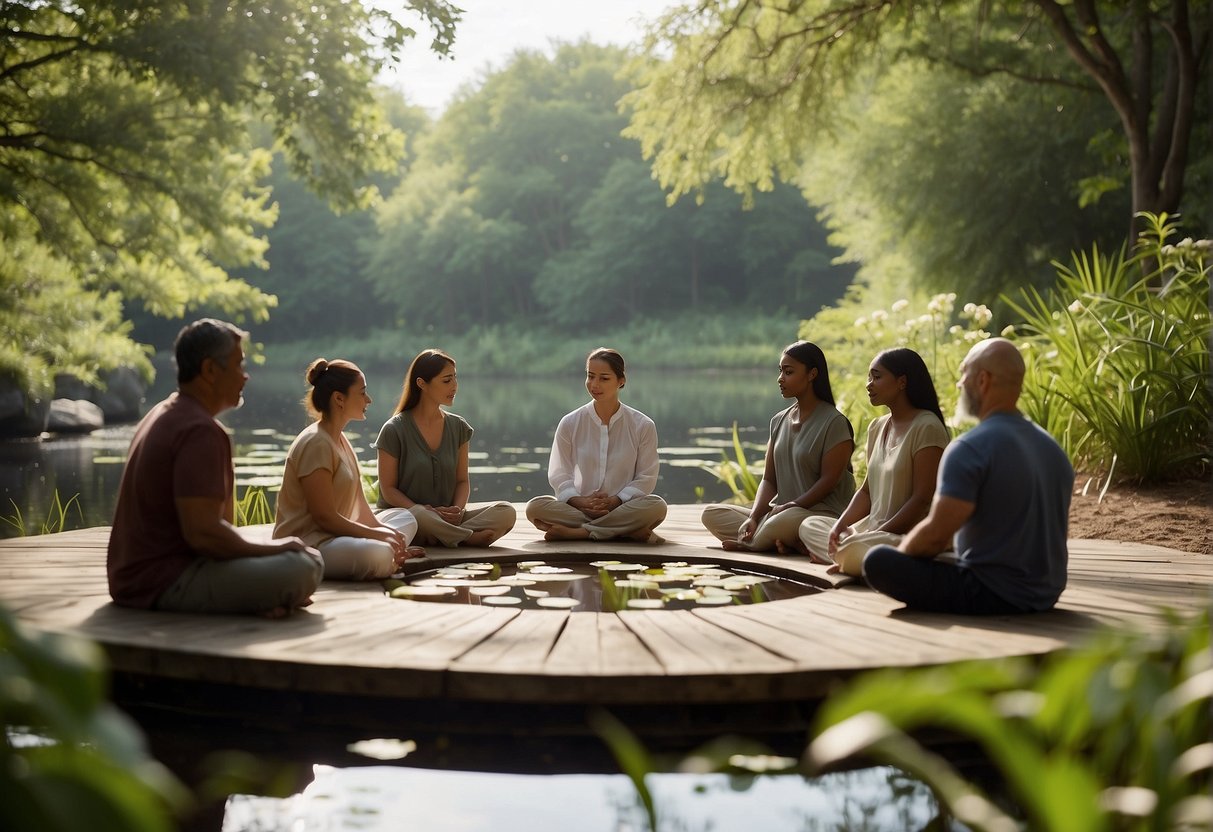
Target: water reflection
(382, 798)
(513, 418)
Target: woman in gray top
(423, 462)
(808, 464)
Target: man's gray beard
(966, 407)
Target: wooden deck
(356, 641)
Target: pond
(379, 798)
(598, 586)
(513, 419)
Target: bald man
(1003, 498)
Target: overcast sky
(491, 30)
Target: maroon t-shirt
(179, 450)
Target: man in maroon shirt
(173, 545)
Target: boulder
(120, 395)
(20, 416)
(74, 416)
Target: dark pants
(931, 585)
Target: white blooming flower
(861, 322)
(982, 315)
(879, 316)
(951, 296)
(1076, 308)
(1008, 331)
(955, 330)
(900, 305)
(969, 310)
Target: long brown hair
(425, 366)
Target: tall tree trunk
(1157, 159)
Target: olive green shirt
(426, 475)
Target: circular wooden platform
(356, 641)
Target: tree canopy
(744, 90)
(525, 203)
(127, 179)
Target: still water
(513, 419)
(378, 799)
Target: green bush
(1118, 358)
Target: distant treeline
(523, 205)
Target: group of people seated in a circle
(997, 501)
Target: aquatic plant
(56, 517)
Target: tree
(125, 168)
(944, 181)
(524, 202)
(749, 84)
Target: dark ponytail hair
(326, 378)
(613, 360)
(811, 356)
(426, 365)
(920, 390)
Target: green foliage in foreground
(68, 759)
(1112, 736)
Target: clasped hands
(596, 505)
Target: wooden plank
(356, 640)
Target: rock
(74, 416)
(120, 395)
(20, 416)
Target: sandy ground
(1176, 515)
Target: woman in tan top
(904, 448)
(321, 500)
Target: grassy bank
(688, 341)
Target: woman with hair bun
(904, 449)
(423, 461)
(321, 500)
(808, 462)
(603, 466)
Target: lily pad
(645, 604)
(559, 603)
(501, 600)
(421, 592)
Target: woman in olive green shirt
(423, 462)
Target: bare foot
(731, 546)
(542, 525)
(558, 532)
(796, 548)
(483, 537)
(414, 552)
(277, 612)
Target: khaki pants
(634, 515)
(815, 534)
(724, 521)
(432, 529)
(244, 585)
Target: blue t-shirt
(1020, 482)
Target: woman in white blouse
(603, 466)
(904, 449)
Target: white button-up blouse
(619, 458)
